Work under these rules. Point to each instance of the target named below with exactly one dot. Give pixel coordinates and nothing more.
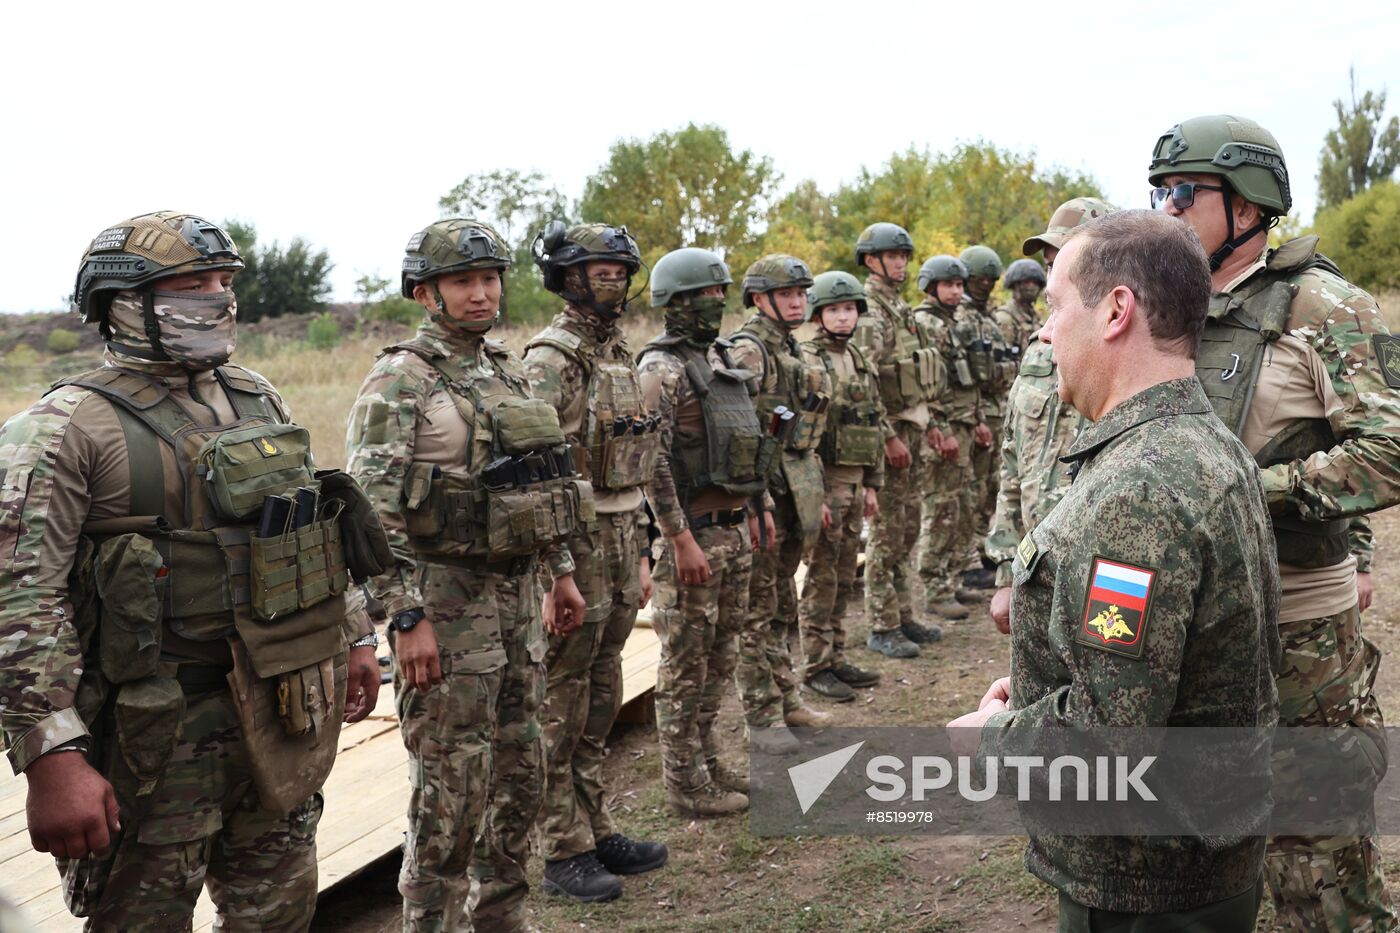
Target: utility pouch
(362, 536)
(981, 360)
(855, 444)
(963, 372)
(288, 766)
(130, 578)
(805, 484)
(273, 572)
(808, 431)
(244, 466)
(753, 457)
(320, 562)
(149, 718)
(628, 460)
(525, 425)
(424, 514)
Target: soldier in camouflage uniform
(1136, 613)
(148, 777)
(1039, 426)
(582, 366)
(949, 496)
(1298, 363)
(911, 374)
(775, 287)
(1018, 318)
(474, 483)
(712, 464)
(994, 361)
(853, 458)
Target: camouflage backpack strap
(248, 393)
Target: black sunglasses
(1182, 195)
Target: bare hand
(872, 503)
(567, 604)
(827, 520)
(71, 810)
(416, 652)
(934, 438)
(1001, 609)
(644, 575)
(1365, 591)
(999, 691)
(691, 564)
(362, 684)
(982, 435)
(951, 448)
(768, 529)
(897, 454)
(965, 732)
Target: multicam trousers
(767, 682)
(831, 573)
(986, 469)
(475, 759)
(584, 692)
(944, 525)
(894, 534)
(697, 625)
(203, 823)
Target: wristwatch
(366, 641)
(406, 620)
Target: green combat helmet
(1024, 270)
(941, 269)
(881, 238)
(452, 245)
(981, 261)
(1244, 155)
(772, 272)
(558, 249)
(142, 249)
(1067, 216)
(832, 288)
(686, 270)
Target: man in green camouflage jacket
(582, 366)
(1149, 597)
(470, 476)
(1298, 363)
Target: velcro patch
(111, 238)
(1117, 608)
(1387, 349)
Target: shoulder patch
(1387, 349)
(1117, 608)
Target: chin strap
(1232, 242)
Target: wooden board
(364, 818)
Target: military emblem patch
(1387, 350)
(1116, 611)
(267, 448)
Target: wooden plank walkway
(365, 813)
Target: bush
(62, 341)
(397, 310)
(323, 332)
(1362, 235)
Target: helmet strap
(1232, 242)
(148, 317)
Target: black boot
(581, 878)
(921, 634)
(826, 683)
(622, 856)
(856, 676)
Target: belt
(201, 678)
(723, 519)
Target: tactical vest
(914, 372)
(992, 362)
(1239, 328)
(853, 435)
(735, 455)
(282, 594)
(517, 493)
(620, 437)
(798, 388)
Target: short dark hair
(1159, 259)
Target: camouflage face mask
(608, 295)
(198, 331)
(1026, 292)
(697, 319)
(979, 287)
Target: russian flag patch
(1116, 608)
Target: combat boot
(775, 739)
(949, 609)
(892, 644)
(854, 676)
(967, 596)
(623, 856)
(804, 717)
(728, 780)
(980, 579)
(827, 684)
(581, 878)
(705, 802)
(921, 634)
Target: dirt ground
(721, 878)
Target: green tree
(518, 205)
(1362, 234)
(686, 187)
(1360, 151)
(277, 281)
(381, 300)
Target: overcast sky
(344, 123)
